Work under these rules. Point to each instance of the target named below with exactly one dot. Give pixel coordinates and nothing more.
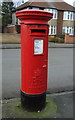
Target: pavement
(60, 45)
(57, 106)
(10, 46)
(51, 45)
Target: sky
(70, 1)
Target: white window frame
(52, 30)
(67, 15)
(68, 30)
(54, 11)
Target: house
(63, 15)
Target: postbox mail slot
(38, 32)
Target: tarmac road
(60, 71)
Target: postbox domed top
(34, 15)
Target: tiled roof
(60, 5)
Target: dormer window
(54, 11)
(35, 8)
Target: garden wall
(69, 38)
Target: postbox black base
(33, 102)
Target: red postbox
(34, 57)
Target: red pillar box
(34, 58)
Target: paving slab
(57, 106)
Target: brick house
(63, 15)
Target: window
(68, 30)
(35, 8)
(68, 15)
(71, 16)
(52, 30)
(52, 11)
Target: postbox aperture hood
(37, 15)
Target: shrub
(59, 40)
(61, 36)
(52, 40)
(56, 40)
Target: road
(60, 71)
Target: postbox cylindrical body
(34, 57)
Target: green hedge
(18, 28)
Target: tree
(7, 8)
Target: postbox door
(39, 65)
